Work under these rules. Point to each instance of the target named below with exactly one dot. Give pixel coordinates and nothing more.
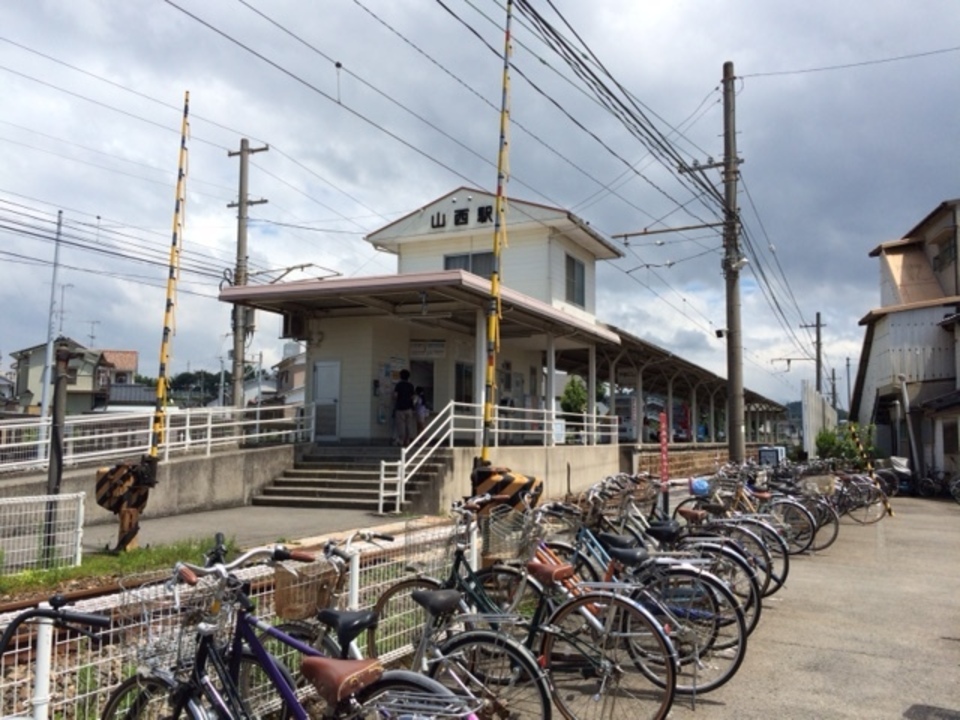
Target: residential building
(907, 380)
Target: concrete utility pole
(818, 325)
(47, 376)
(733, 261)
(242, 321)
(849, 391)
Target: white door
(326, 399)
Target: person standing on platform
(405, 417)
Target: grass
(102, 567)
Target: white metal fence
(43, 531)
(24, 442)
(84, 672)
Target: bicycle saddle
(337, 679)
(618, 541)
(547, 574)
(630, 557)
(348, 624)
(437, 602)
(666, 531)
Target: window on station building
(576, 282)
(479, 263)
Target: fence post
(79, 528)
(41, 680)
(380, 494)
(209, 432)
(401, 479)
(353, 597)
(166, 436)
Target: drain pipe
(906, 414)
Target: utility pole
(47, 376)
(241, 326)
(818, 325)
(733, 261)
(833, 384)
(62, 305)
(849, 395)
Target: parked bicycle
(222, 669)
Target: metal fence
(84, 672)
(43, 531)
(24, 442)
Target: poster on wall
(392, 368)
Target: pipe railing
(464, 422)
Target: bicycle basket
(161, 620)
(508, 534)
(300, 590)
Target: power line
(848, 66)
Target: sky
(846, 130)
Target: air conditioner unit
(294, 326)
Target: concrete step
(325, 502)
(374, 492)
(350, 473)
(320, 483)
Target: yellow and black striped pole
(499, 242)
(159, 415)
(869, 465)
(123, 489)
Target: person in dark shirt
(405, 417)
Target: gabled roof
(122, 360)
(73, 344)
(421, 225)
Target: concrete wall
(588, 464)
(188, 484)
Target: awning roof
(444, 298)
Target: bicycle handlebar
(191, 573)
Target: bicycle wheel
(509, 590)
(870, 507)
(146, 697)
(797, 521)
(400, 623)
(955, 488)
(309, 633)
(706, 624)
(776, 546)
(608, 660)
(744, 542)
(739, 577)
(497, 670)
(828, 523)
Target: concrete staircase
(330, 476)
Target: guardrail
(464, 421)
(24, 442)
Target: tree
(574, 398)
(838, 444)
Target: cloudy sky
(846, 118)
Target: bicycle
(587, 644)
(223, 669)
(49, 615)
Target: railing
(512, 426)
(104, 437)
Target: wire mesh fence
(149, 626)
(43, 531)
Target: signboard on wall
(428, 349)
